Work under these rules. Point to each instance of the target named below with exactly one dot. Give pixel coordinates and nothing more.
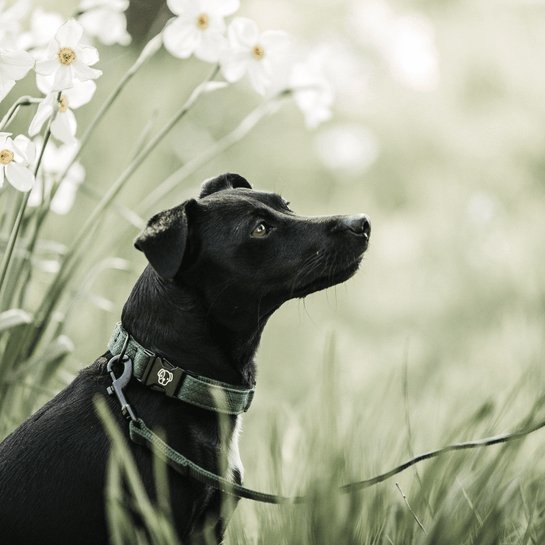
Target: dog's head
(235, 245)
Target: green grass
(438, 339)
(486, 496)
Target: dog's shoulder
(96, 372)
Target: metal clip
(119, 383)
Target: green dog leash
(142, 435)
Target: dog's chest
(234, 462)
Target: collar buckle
(161, 375)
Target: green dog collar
(159, 374)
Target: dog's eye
(261, 231)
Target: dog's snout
(358, 224)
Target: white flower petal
(19, 177)
(243, 32)
(15, 64)
(92, 21)
(22, 146)
(44, 83)
(69, 34)
(1, 177)
(114, 5)
(63, 77)
(179, 6)
(84, 72)
(222, 7)
(181, 39)
(51, 50)
(76, 173)
(55, 160)
(87, 54)
(64, 127)
(46, 67)
(210, 47)
(44, 111)
(234, 65)
(28, 146)
(106, 24)
(64, 198)
(274, 41)
(313, 93)
(259, 78)
(5, 140)
(35, 197)
(43, 25)
(80, 94)
(5, 88)
(215, 25)
(16, 11)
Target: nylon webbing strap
(142, 435)
(160, 374)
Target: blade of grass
(13, 318)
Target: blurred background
(438, 134)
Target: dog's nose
(359, 224)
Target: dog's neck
(173, 321)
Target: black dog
(219, 266)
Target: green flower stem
(12, 112)
(126, 213)
(147, 53)
(78, 245)
(236, 135)
(6, 259)
(7, 218)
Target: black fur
(215, 276)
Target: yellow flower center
(258, 52)
(66, 55)
(6, 157)
(203, 21)
(63, 104)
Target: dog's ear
(164, 240)
(224, 181)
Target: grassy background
(442, 328)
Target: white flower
(64, 125)
(105, 20)
(312, 92)
(14, 65)
(10, 22)
(253, 53)
(68, 59)
(43, 26)
(16, 154)
(198, 28)
(54, 162)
